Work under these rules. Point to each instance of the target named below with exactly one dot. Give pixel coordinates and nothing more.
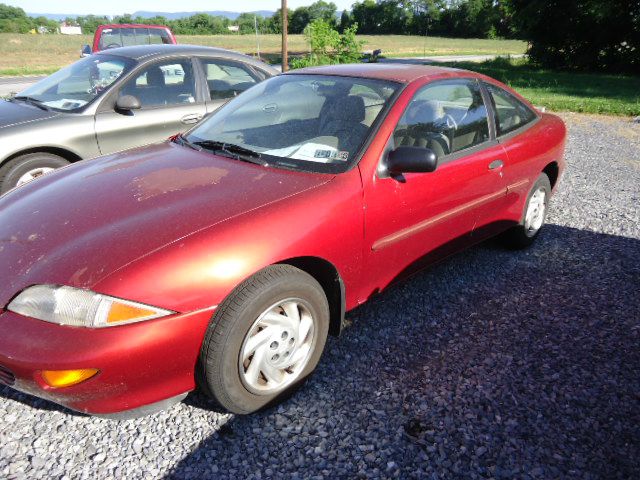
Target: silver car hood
(16, 113)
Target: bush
(328, 46)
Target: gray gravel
(494, 364)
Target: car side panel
(528, 153)
(73, 133)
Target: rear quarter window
(511, 114)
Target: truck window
(159, 36)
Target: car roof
(397, 72)
(143, 52)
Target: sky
(116, 7)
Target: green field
(39, 54)
(565, 91)
(557, 91)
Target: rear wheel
(264, 339)
(26, 168)
(533, 216)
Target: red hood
(81, 223)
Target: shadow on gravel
(34, 402)
(492, 364)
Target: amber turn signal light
(66, 378)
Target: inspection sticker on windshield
(331, 154)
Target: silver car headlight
(80, 308)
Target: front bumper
(140, 364)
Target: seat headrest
(352, 108)
(427, 112)
(155, 77)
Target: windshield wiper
(235, 151)
(32, 101)
(181, 140)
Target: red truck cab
(125, 35)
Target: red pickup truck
(124, 35)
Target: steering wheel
(113, 45)
(451, 122)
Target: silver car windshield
(313, 122)
(75, 86)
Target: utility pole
(285, 25)
(255, 24)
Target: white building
(70, 29)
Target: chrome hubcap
(33, 174)
(535, 212)
(277, 347)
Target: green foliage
(581, 34)
(303, 16)
(328, 46)
(15, 20)
(565, 91)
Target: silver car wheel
(33, 174)
(536, 209)
(277, 347)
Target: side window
(227, 79)
(163, 84)
(511, 113)
(445, 117)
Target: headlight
(80, 308)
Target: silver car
(112, 101)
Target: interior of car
(163, 85)
(445, 118)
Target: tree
(581, 34)
(345, 21)
(299, 19)
(325, 11)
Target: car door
(170, 102)
(425, 216)
(225, 79)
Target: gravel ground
(493, 364)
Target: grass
(563, 90)
(558, 91)
(43, 54)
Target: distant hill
(52, 16)
(168, 15)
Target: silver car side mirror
(126, 103)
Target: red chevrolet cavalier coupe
(224, 257)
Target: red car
(224, 257)
(129, 34)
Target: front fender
(199, 271)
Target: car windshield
(311, 122)
(77, 85)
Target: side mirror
(86, 51)
(411, 160)
(126, 103)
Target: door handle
(496, 164)
(190, 119)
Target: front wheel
(26, 168)
(533, 216)
(265, 338)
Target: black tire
(11, 171)
(519, 237)
(218, 372)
